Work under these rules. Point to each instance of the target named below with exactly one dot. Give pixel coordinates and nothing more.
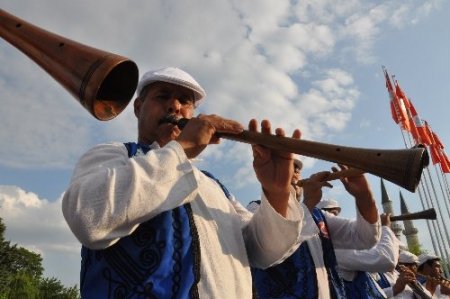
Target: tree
(23, 286)
(23, 260)
(4, 258)
(50, 288)
(416, 249)
(21, 274)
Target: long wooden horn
(102, 82)
(429, 214)
(402, 167)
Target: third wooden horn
(429, 214)
(102, 82)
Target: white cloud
(248, 55)
(38, 225)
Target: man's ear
(137, 106)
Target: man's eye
(162, 96)
(187, 101)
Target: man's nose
(173, 105)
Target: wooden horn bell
(104, 83)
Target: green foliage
(21, 275)
(22, 285)
(23, 260)
(416, 249)
(51, 288)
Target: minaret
(387, 208)
(410, 231)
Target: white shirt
(392, 277)
(111, 194)
(345, 233)
(437, 293)
(382, 257)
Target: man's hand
(200, 131)
(406, 276)
(312, 188)
(386, 219)
(274, 169)
(359, 187)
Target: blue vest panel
(296, 276)
(363, 287)
(160, 259)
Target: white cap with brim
(328, 204)
(175, 76)
(424, 257)
(406, 257)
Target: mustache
(172, 119)
(168, 119)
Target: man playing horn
(311, 271)
(152, 225)
(330, 206)
(401, 283)
(356, 266)
(430, 269)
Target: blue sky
(312, 65)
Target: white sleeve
(110, 194)
(351, 233)
(270, 238)
(381, 258)
(389, 292)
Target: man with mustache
(153, 225)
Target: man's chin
(167, 132)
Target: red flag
(398, 109)
(418, 129)
(434, 147)
(436, 140)
(445, 161)
(437, 152)
(428, 132)
(394, 112)
(434, 154)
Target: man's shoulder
(108, 147)
(253, 205)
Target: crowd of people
(153, 225)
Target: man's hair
(143, 92)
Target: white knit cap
(175, 76)
(406, 257)
(424, 257)
(328, 204)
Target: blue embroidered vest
(160, 259)
(363, 286)
(383, 281)
(296, 276)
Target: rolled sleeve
(353, 234)
(270, 237)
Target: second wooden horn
(402, 167)
(102, 82)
